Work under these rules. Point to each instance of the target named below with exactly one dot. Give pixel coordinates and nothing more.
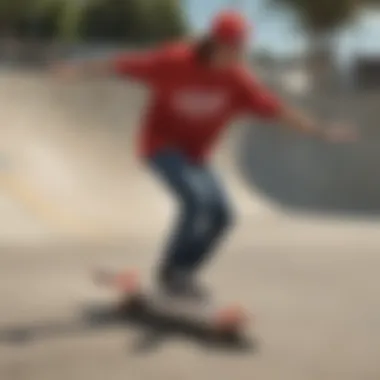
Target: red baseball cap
(230, 27)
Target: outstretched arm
(141, 66)
(257, 100)
(76, 69)
(299, 121)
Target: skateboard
(223, 321)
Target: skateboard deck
(230, 319)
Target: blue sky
(279, 31)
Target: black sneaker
(182, 284)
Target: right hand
(341, 133)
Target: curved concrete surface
(312, 283)
(63, 140)
(307, 175)
(17, 222)
(313, 176)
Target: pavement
(73, 196)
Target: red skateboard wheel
(231, 318)
(128, 281)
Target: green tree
(132, 21)
(321, 18)
(167, 19)
(115, 20)
(109, 20)
(42, 23)
(70, 18)
(12, 12)
(37, 18)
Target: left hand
(340, 133)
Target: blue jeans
(204, 210)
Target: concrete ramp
(72, 188)
(310, 176)
(19, 226)
(71, 159)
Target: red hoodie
(192, 103)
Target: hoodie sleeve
(142, 66)
(254, 98)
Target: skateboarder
(197, 88)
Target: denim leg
(185, 182)
(219, 217)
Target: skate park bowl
(307, 175)
(69, 158)
(61, 139)
(74, 195)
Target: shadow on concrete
(308, 175)
(154, 330)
